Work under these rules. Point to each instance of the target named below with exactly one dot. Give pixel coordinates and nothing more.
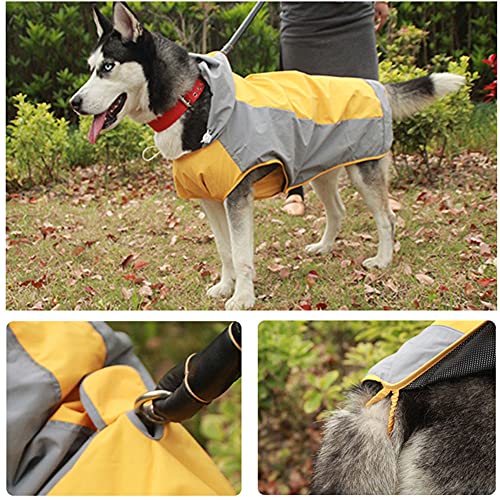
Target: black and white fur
(154, 72)
(443, 442)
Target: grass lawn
(106, 240)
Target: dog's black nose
(76, 103)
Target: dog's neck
(173, 76)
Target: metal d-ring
(144, 405)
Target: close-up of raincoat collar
(445, 350)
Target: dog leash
(196, 382)
(242, 28)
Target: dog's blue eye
(108, 67)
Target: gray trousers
(328, 38)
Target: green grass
(66, 247)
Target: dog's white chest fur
(169, 141)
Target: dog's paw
(318, 249)
(237, 303)
(376, 262)
(220, 290)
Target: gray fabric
(329, 38)
(91, 410)
(254, 135)
(413, 354)
(32, 395)
(54, 445)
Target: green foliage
(120, 145)
(221, 428)
(282, 352)
(452, 28)
(46, 43)
(36, 143)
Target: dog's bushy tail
(407, 98)
(357, 455)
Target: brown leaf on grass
(468, 289)
(78, 251)
(486, 281)
(90, 290)
(321, 306)
(391, 285)
(127, 260)
(140, 264)
(127, 293)
(305, 305)
(47, 229)
(37, 306)
(284, 273)
(484, 249)
(425, 279)
(275, 268)
(311, 277)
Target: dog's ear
(126, 23)
(102, 23)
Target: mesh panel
(474, 355)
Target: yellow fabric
(193, 180)
(466, 327)
(286, 90)
(72, 411)
(113, 390)
(121, 460)
(83, 347)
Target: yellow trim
(231, 336)
(347, 164)
(186, 382)
(392, 411)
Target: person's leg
(327, 38)
(294, 203)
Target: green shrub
(36, 142)
(123, 144)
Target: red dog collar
(170, 116)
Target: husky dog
(142, 74)
(443, 442)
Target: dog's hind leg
(371, 179)
(216, 215)
(326, 189)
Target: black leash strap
(242, 28)
(190, 385)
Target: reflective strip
(83, 347)
(110, 392)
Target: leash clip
(144, 405)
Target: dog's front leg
(239, 209)
(216, 215)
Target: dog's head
(118, 85)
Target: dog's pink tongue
(96, 127)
